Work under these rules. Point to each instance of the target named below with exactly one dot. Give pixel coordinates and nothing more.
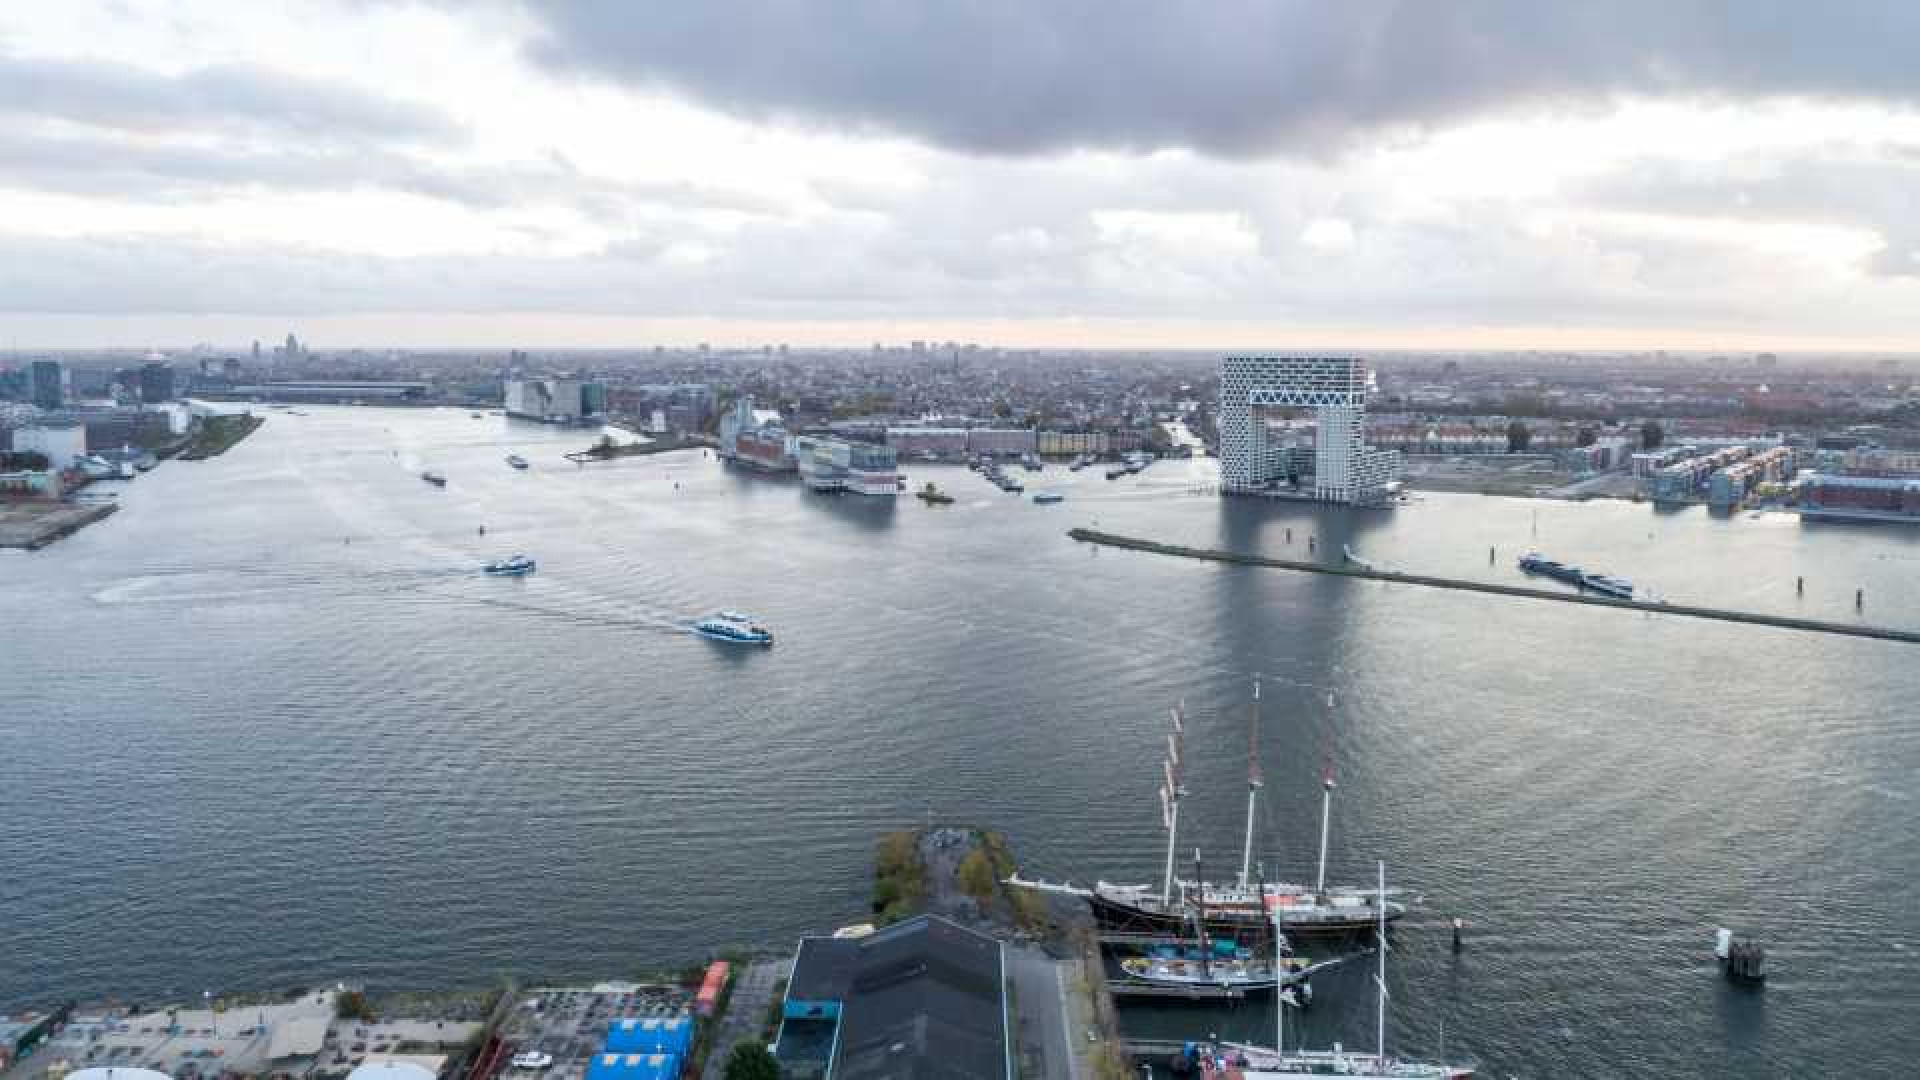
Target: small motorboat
(516, 461)
(511, 566)
(733, 627)
(1046, 497)
(531, 1059)
(434, 478)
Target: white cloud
(360, 162)
(1328, 234)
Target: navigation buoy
(1458, 924)
(1800, 586)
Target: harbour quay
(653, 1030)
(34, 523)
(325, 1035)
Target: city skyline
(1479, 176)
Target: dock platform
(1136, 988)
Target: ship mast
(1326, 808)
(1380, 1010)
(1279, 985)
(1170, 793)
(1253, 783)
(1200, 918)
(1326, 813)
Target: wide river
(268, 725)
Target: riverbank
(607, 449)
(215, 435)
(33, 524)
(1693, 611)
(1529, 476)
(1065, 1025)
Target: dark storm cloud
(1226, 77)
(227, 98)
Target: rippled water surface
(267, 725)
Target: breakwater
(1691, 611)
(33, 524)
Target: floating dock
(1690, 611)
(1140, 988)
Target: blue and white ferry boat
(734, 627)
(511, 566)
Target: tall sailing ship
(1241, 909)
(1239, 1061)
(1225, 965)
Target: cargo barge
(1605, 584)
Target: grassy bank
(215, 435)
(1029, 908)
(899, 877)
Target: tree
(1002, 410)
(1586, 436)
(750, 1060)
(352, 1005)
(1519, 437)
(976, 876)
(1652, 435)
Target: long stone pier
(1652, 607)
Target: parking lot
(571, 1024)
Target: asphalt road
(1045, 1047)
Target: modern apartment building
(1328, 460)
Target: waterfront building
(1074, 443)
(1001, 441)
(61, 444)
(830, 464)
(557, 400)
(1873, 461)
(923, 997)
(1686, 479)
(1729, 487)
(1332, 462)
(1830, 497)
(1649, 462)
(943, 442)
(756, 437)
(331, 391)
(49, 383)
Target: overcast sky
(1503, 173)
